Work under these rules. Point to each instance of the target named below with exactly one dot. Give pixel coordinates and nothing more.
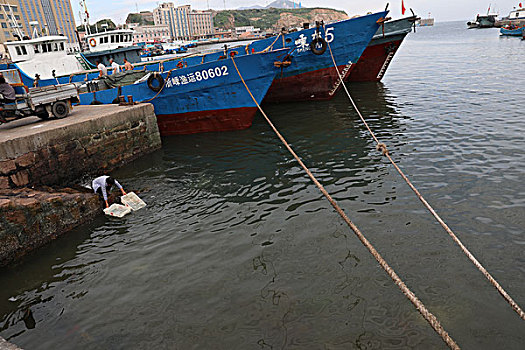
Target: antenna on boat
(85, 18)
(15, 27)
(34, 24)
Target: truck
(44, 102)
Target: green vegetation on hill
(93, 27)
(138, 18)
(269, 18)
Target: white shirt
(116, 67)
(100, 182)
(103, 69)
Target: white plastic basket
(133, 201)
(117, 210)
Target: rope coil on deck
(382, 147)
(431, 319)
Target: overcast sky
(441, 10)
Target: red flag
(403, 9)
(520, 5)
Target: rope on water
(383, 149)
(431, 319)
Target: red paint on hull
(369, 66)
(206, 121)
(309, 86)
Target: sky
(441, 10)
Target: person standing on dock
(102, 70)
(127, 65)
(114, 65)
(7, 91)
(102, 183)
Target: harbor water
(237, 249)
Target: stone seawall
(31, 218)
(93, 139)
(35, 154)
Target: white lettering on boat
(197, 76)
(302, 45)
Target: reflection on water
(237, 248)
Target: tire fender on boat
(155, 76)
(315, 49)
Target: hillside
(274, 18)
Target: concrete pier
(37, 154)
(92, 139)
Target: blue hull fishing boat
(312, 75)
(511, 31)
(201, 98)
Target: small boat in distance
(511, 30)
(516, 17)
(426, 22)
(483, 21)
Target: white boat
(116, 44)
(46, 56)
(517, 14)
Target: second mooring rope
(383, 149)
(431, 319)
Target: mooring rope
(431, 319)
(384, 150)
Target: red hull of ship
(206, 121)
(310, 86)
(373, 62)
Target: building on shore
(175, 18)
(54, 17)
(182, 22)
(8, 9)
(45, 17)
(247, 31)
(149, 33)
(201, 24)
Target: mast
(15, 27)
(85, 17)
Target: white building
(151, 33)
(175, 18)
(201, 23)
(247, 29)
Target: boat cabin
(47, 48)
(109, 40)
(517, 14)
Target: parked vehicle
(43, 102)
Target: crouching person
(102, 184)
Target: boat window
(44, 48)
(55, 47)
(112, 38)
(61, 46)
(36, 49)
(49, 47)
(18, 52)
(24, 51)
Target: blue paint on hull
(203, 90)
